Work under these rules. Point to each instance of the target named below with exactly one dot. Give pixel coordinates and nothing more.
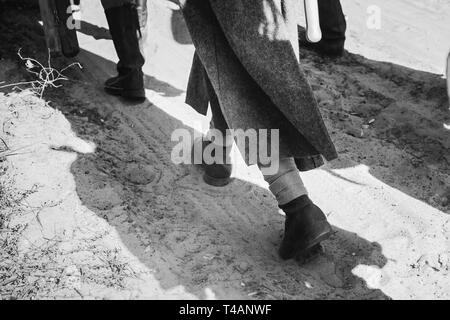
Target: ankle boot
(125, 31)
(305, 227)
(217, 174)
(332, 48)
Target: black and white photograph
(241, 152)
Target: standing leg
(306, 225)
(219, 174)
(332, 21)
(333, 25)
(125, 28)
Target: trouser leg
(286, 185)
(333, 26)
(141, 6)
(332, 20)
(219, 172)
(125, 28)
(108, 4)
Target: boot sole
(135, 95)
(304, 251)
(332, 52)
(216, 182)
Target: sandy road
(387, 195)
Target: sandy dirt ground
(109, 215)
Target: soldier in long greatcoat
(246, 67)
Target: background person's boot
(333, 26)
(125, 31)
(305, 227)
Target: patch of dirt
(374, 107)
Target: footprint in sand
(140, 174)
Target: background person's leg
(124, 26)
(333, 26)
(107, 4)
(141, 6)
(332, 21)
(219, 174)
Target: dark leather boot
(125, 30)
(329, 48)
(218, 174)
(333, 26)
(305, 227)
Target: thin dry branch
(47, 76)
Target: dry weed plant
(46, 76)
(38, 272)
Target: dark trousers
(107, 4)
(117, 3)
(332, 20)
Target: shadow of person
(192, 234)
(177, 25)
(177, 231)
(94, 31)
(107, 68)
(179, 32)
(225, 239)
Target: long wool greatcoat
(247, 50)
